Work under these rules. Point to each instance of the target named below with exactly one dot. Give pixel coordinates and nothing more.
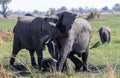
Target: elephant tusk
(47, 41)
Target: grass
(104, 61)
(7, 23)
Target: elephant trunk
(44, 40)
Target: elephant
(48, 64)
(105, 34)
(28, 14)
(72, 36)
(27, 33)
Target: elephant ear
(66, 20)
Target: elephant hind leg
(16, 49)
(76, 61)
(84, 59)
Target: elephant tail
(95, 45)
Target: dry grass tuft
(110, 72)
(5, 35)
(4, 73)
(1, 41)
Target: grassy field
(104, 61)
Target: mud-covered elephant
(72, 37)
(105, 34)
(48, 64)
(28, 32)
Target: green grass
(7, 23)
(105, 58)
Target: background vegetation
(103, 61)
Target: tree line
(6, 12)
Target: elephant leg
(84, 59)
(51, 48)
(40, 57)
(14, 53)
(39, 43)
(76, 61)
(61, 62)
(16, 49)
(32, 58)
(65, 50)
(66, 67)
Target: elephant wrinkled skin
(28, 32)
(73, 37)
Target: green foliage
(7, 24)
(116, 7)
(52, 11)
(5, 1)
(4, 6)
(104, 61)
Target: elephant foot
(35, 66)
(86, 70)
(18, 67)
(78, 68)
(12, 60)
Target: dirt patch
(5, 35)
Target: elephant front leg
(66, 49)
(61, 62)
(40, 57)
(51, 48)
(32, 58)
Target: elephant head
(58, 25)
(65, 21)
(49, 28)
(48, 31)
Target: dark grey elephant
(48, 65)
(105, 34)
(28, 32)
(72, 37)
